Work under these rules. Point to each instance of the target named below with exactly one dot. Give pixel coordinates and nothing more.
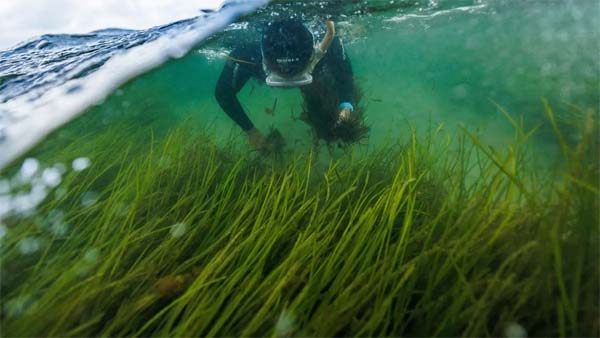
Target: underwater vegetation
(437, 235)
(321, 112)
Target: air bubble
(59, 229)
(178, 230)
(3, 231)
(28, 245)
(5, 205)
(4, 187)
(55, 215)
(81, 163)
(515, 330)
(91, 256)
(88, 261)
(285, 324)
(18, 305)
(89, 198)
(51, 177)
(60, 168)
(60, 193)
(29, 168)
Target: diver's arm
(228, 86)
(234, 76)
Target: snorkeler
(288, 57)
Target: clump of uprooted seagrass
(321, 112)
(274, 144)
(427, 238)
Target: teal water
(447, 67)
(423, 66)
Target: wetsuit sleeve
(341, 67)
(237, 71)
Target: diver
(288, 57)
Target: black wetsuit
(246, 62)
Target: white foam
(30, 120)
(404, 17)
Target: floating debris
(271, 111)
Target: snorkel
(305, 77)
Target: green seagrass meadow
(436, 235)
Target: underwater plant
(439, 235)
(274, 144)
(321, 112)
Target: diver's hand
(344, 115)
(255, 139)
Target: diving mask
(305, 77)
